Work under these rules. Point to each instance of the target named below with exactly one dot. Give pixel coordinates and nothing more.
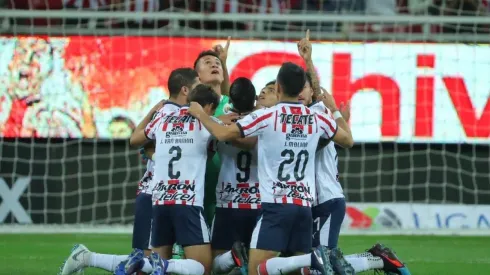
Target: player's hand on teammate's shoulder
(195, 109)
(304, 47)
(344, 109)
(229, 119)
(223, 51)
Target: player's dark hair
(242, 95)
(273, 82)
(309, 79)
(204, 95)
(291, 78)
(179, 78)
(203, 54)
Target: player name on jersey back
(238, 183)
(145, 184)
(181, 151)
(288, 136)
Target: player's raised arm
(223, 56)
(305, 49)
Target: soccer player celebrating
(181, 81)
(237, 192)
(288, 134)
(178, 193)
(211, 67)
(268, 96)
(329, 207)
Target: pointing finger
(308, 34)
(228, 43)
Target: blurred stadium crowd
(369, 7)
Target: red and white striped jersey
(238, 183)
(180, 158)
(145, 184)
(326, 166)
(288, 135)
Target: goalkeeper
(211, 68)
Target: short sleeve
(151, 128)
(327, 126)
(254, 123)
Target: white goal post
(420, 112)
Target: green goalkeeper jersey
(212, 172)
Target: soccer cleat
(320, 261)
(159, 265)
(392, 265)
(76, 261)
(240, 257)
(120, 268)
(339, 263)
(132, 264)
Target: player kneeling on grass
(180, 158)
(329, 209)
(287, 184)
(181, 81)
(237, 192)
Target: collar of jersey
(173, 103)
(313, 103)
(290, 102)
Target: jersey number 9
(243, 162)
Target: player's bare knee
(164, 251)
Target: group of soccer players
(279, 203)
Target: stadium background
(73, 86)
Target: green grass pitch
(427, 255)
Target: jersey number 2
(171, 173)
(299, 166)
(243, 162)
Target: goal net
(74, 83)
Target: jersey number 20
(299, 167)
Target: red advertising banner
(101, 87)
